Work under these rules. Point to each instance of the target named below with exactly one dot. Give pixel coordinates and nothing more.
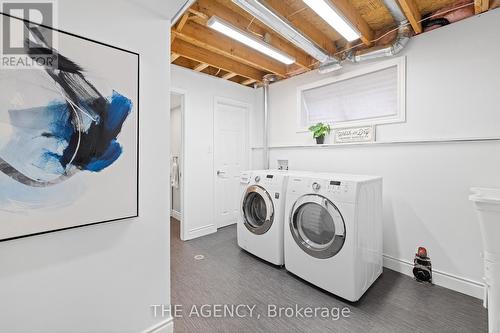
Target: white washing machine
(333, 231)
(260, 226)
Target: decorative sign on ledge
(355, 134)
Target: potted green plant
(319, 131)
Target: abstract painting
(68, 136)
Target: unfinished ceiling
(196, 46)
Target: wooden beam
(215, 42)
(481, 6)
(305, 27)
(174, 56)
(182, 22)
(413, 14)
(352, 14)
(196, 53)
(185, 62)
(228, 12)
(200, 67)
(179, 26)
(228, 75)
(198, 13)
(247, 82)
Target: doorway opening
(177, 107)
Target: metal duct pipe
(399, 43)
(181, 12)
(395, 11)
(266, 80)
(403, 37)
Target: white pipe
(266, 80)
(266, 125)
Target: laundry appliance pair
(325, 228)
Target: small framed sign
(355, 134)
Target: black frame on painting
(138, 129)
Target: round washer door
(317, 226)
(258, 210)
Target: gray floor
(228, 275)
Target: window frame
(399, 117)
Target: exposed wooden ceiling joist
(228, 76)
(200, 67)
(375, 13)
(211, 40)
(180, 25)
(351, 14)
(297, 20)
(182, 22)
(202, 55)
(412, 13)
(227, 11)
(247, 82)
(481, 6)
(221, 56)
(174, 56)
(185, 62)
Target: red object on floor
(422, 252)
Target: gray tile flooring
(228, 275)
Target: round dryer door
(317, 226)
(258, 210)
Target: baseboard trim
(166, 326)
(443, 279)
(201, 231)
(176, 215)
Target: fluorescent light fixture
(332, 16)
(243, 37)
(269, 17)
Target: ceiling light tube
(243, 37)
(334, 17)
(269, 17)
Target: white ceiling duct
(261, 11)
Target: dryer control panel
(336, 186)
(338, 190)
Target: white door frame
(183, 231)
(228, 101)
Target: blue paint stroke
(48, 140)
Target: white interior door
(231, 156)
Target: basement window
(370, 95)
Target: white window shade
(368, 98)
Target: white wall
(103, 278)
(199, 172)
(452, 92)
(176, 149)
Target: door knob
(220, 172)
